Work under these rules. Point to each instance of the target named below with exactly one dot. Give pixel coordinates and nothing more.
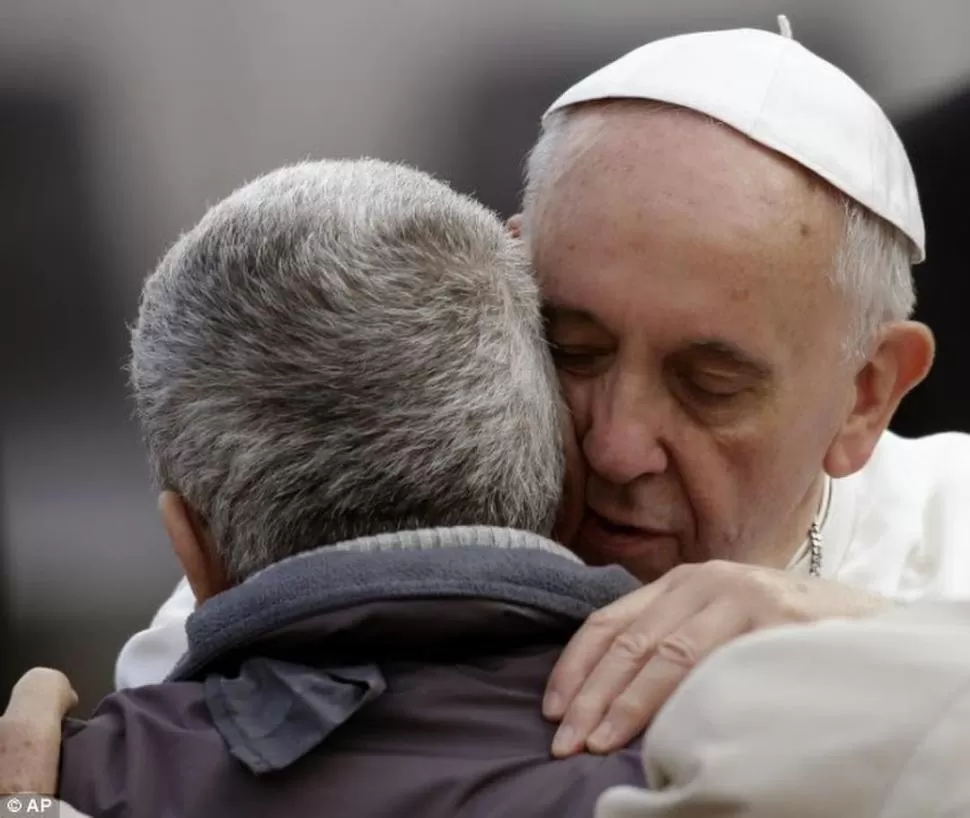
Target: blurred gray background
(120, 121)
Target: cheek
(725, 483)
(750, 450)
(763, 467)
(727, 473)
(784, 436)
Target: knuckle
(757, 583)
(772, 601)
(633, 644)
(43, 673)
(718, 567)
(721, 566)
(680, 650)
(787, 608)
(711, 571)
(683, 570)
(627, 710)
(43, 678)
(586, 710)
(687, 576)
(602, 620)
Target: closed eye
(579, 360)
(707, 393)
(713, 391)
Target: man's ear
(514, 224)
(902, 358)
(193, 547)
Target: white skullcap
(780, 94)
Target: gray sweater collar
(498, 564)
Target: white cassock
(837, 719)
(899, 527)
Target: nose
(624, 440)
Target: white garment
(837, 719)
(899, 527)
(150, 654)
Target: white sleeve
(149, 656)
(839, 718)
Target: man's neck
(795, 538)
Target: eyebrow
(727, 353)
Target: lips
(620, 527)
(614, 540)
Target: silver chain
(815, 561)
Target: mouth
(614, 539)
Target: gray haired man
(347, 400)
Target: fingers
(623, 660)
(627, 659)
(42, 694)
(588, 646)
(676, 655)
(30, 732)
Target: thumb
(30, 732)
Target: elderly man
(348, 402)
(723, 225)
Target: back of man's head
(341, 349)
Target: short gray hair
(341, 349)
(872, 267)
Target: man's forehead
(679, 157)
(649, 197)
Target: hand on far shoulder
(629, 657)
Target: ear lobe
(191, 543)
(514, 225)
(900, 362)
